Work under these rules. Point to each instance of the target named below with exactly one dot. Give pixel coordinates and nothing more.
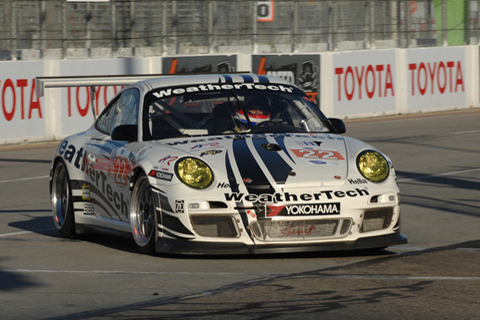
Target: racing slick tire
(143, 215)
(62, 202)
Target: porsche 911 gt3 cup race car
(223, 164)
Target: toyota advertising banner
(21, 112)
(364, 82)
(436, 78)
(301, 69)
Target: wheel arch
(55, 162)
(137, 172)
(62, 200)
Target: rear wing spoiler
(91, 82)
(94, 81)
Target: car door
(110, 162)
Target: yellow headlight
(373, 166)
(194, 173)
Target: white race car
(223, 164)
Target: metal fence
(66, 29)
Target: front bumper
(222, 248)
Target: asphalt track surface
(435, 276)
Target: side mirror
(338, 125)
(126, 132)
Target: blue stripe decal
(263, 79)
(278, 168)
(281, 142)
(228, 79)
(248, 79)
(252, 175)
(231, 176)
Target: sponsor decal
(89, 209)
(251, 213)
(303, 209)
(86, 192)
(219, 87)
(210, 145)
(210, 152)
(97, 177)
(224, 185)
(357, 181)
(161, 175)
(179, 206)
(292, 197)
(298, 230)
(72, 155)
(317, 154)
(317, 162)
(168, 160)
(309, 143)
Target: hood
(268, 163)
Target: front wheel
(62, 202)
(143, 216)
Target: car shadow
(124, 242)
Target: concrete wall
(346, 85)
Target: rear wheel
(62, 202)
(143, 216)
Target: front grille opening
(215, 226)
(376, 219)
(346, 224)
(217, 205)
(300, 230)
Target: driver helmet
(258, 111)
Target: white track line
(12, 234)
(466, 132)
(23, 179)
(438, 175)
(341, 276)
(160, 273)
(4, 235)
(379, 277)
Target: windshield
(200, 111)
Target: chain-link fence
(65, 29)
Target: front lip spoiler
(215, 248)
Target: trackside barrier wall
(345, 85)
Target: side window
(127, 108)
(123, 110)
(106, 120)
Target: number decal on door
(121, 170)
